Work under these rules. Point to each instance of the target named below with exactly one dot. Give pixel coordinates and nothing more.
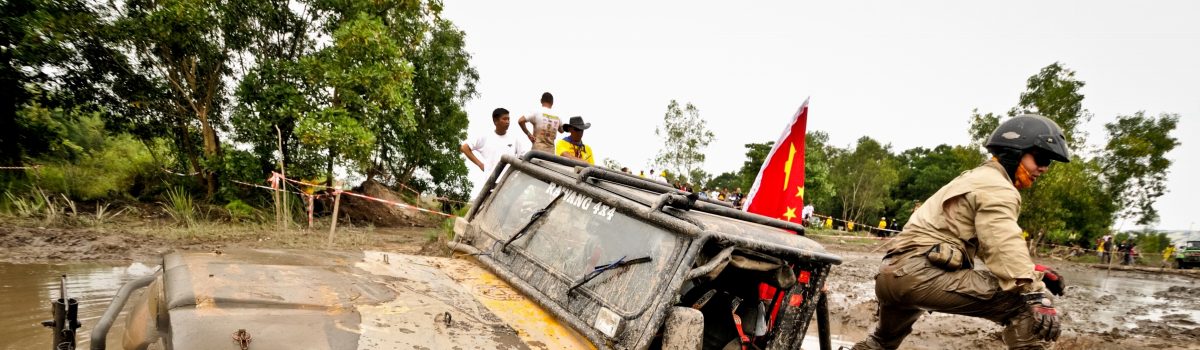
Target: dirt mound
(361, 211)
(1175, 292)
(21, 243)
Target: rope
(32, 167)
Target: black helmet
(1019, 134)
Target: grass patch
(446, 229)
(180, 207)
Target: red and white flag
(778, 190)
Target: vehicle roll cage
(665, 212)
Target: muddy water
(1122, 299)
(26, 291)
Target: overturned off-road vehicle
(631, 263)
(554, 254)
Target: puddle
(26, 291)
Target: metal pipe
(462, 248)
(554, 159)
(773, 248)
(638, 182)
(748, 216)
(823, 321)
(487, 188)
(100, 333)
(717, 260)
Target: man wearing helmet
(930, 265)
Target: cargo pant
(908, 285)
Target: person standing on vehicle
(491, 146)
(546, 125)
(930, 265)
(572, 145)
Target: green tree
(1054, 93)
(426, 155)
(867, 175)
(685, 135)
(57, 55)
(727, 180)
(189, 47)
(981, 127)
(1135, 162)
(818, 184)
(363, 86)
(1069, 199)
(924, 171)
(274, 92)
(756, 154)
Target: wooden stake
(287, 213)
(275, 201)
(310, 211)
(337, 201)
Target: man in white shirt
(545, 125)
(491, 146)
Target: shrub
(240, 211)
(180, 207)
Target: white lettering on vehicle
(582, 201)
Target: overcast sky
(906, 73)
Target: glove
(1045, 317)
(1053, 281)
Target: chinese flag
(778, 191)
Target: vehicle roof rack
(675, 198)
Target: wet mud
(1100, 310)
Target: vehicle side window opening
(755, 282)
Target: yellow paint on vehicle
(536, 327)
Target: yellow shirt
(573, 151)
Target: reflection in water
(26, 291)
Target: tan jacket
(976, 212)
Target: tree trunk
(185, 139)
(212, 150)
(329, 169)
(10, 90)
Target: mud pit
(1101, 309)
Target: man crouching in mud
(929, 267)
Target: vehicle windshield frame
(667, 263)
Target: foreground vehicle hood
(333, 300)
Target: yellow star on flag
(790, 214)
(800, 192)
